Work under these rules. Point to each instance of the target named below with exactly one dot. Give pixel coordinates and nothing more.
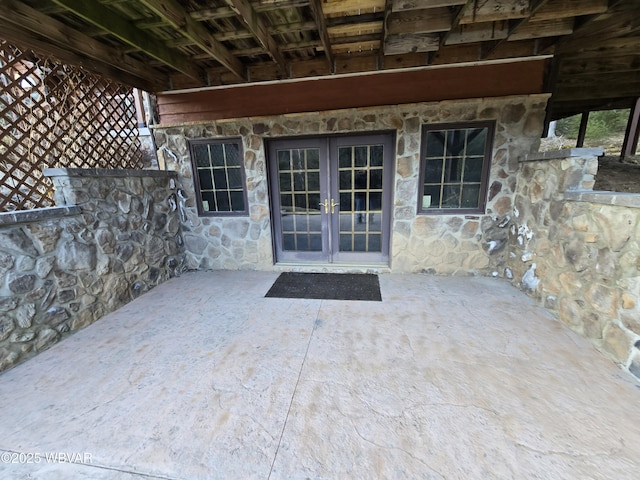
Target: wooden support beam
(30, 28)
(455, 22)
(178, 18)
(318, 15)
(632, 132)
(256, 25)
(515, 24)
(582, 131)
(107, 19)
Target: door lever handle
(325, 204)
(333, 205)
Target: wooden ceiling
(163, 45)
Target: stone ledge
(35, 215)
(105, 172)
(559, 154)
(631, 200)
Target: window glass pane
(206, 182)
(476, 141)
(375, 201)
(201, 154)
(470, 196)
(285, 182)
(360, 242)
(286, 201)
(313, 159)
(217, 155)
(233, 155)
(473, 169)
(237, 201)
(313, 179)
(433, 171)
(344, 155)
(301, 201)
(345, 180)
(375, 180)
(361, 156)
(297, 160)
(299, 181)
(455, 142)
(314, 201)
(235, 177)
(451, 196)
(208, 202)
(284, 160)
(375, 160)
(288, 242)
(431, 198)
(375, 243)
(452, 170)
(220, 178)
(435, 144)
(222, 199)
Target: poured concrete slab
(204, 378)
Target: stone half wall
(114, 235)
(443, 244)
(578, 251)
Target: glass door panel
(361, 232)
(301, 186)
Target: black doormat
(327, 286)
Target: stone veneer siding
(578, 251)
(445, 244)
(114, 235)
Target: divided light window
(454, 168)
(219, 176)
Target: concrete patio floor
(204, 378)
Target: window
(454, 168)
(219, 176)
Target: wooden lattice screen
(56, 115)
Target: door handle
(333, 205)
(325, 204)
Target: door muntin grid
(360, 189)
(299, 192)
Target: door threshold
(332, 267)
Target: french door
(331, 198)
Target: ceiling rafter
(534, 6)
(316, 9)
(455, 21)
(177, 17)
(90, 51)
(259, 29)
(106, 19)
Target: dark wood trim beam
(316, 9)
(33, 29)
(259, 29)
(178, 18)
(632, 132)
(107, 19)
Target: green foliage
(602, 124)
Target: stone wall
(578, 251)
(114, 235)
(433, 243)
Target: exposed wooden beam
(419, 21)
(107, 19)
(455, 21)
(178, 18)
(534, 6)
(259, 29)
(318, 15)
(226, 12)
(33, 29)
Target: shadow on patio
(203, 377)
